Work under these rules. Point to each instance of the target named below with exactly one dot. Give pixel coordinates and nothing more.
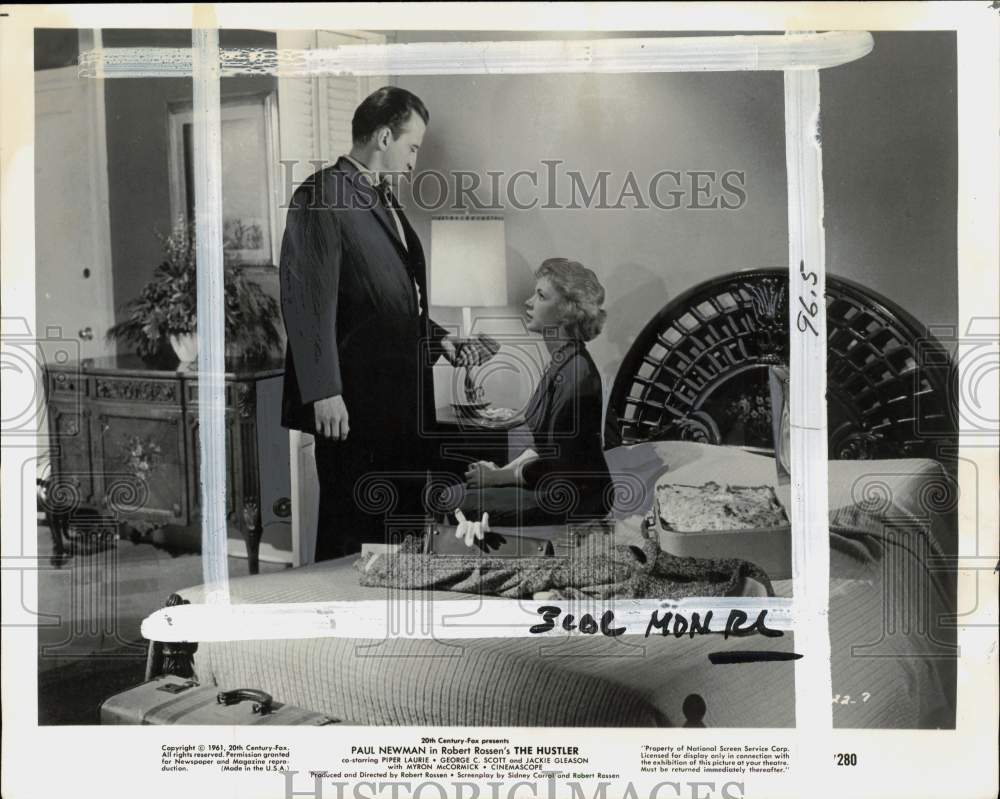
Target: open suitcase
(174, 700)
(539, 541)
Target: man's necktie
(384, 195)
(388, 202)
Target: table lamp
(469, 269)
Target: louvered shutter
(315, 113)
(298, 123)
(339, 95)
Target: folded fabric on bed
(630, 572)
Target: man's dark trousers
(371, 491)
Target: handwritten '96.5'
(808, 311)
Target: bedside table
(461, 440)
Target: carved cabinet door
(72, 466)
(194, 476)
(142, 457)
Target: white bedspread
(891, 669)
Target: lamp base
(474, 395)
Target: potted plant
(166, 309)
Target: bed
(674, 412)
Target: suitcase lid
(173, 700)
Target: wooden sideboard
(125, 443)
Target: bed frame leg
(171, 658)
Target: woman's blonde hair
(581, 296)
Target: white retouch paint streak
(807, 408)
(397, 617)
(807, 51)
(207, 119)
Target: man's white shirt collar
(372, 177)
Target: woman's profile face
(542, 307)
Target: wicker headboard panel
(699, 371)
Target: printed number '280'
(847, 759)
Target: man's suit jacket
(352, 316)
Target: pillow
(780, 424)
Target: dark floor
(91, 605)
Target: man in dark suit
(360, 342)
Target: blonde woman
(563, 475)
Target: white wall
(890, 156)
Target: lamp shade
(468, 261)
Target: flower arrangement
(168, 306)
(141, 457)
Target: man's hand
(462, 352)
(331, 418)
(457, 353)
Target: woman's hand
(481, 473)
(471, 531)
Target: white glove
(471, 531)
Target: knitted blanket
(599, 569)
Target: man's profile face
(400, 156)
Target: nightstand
(461, 440)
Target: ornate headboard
(699, 371)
